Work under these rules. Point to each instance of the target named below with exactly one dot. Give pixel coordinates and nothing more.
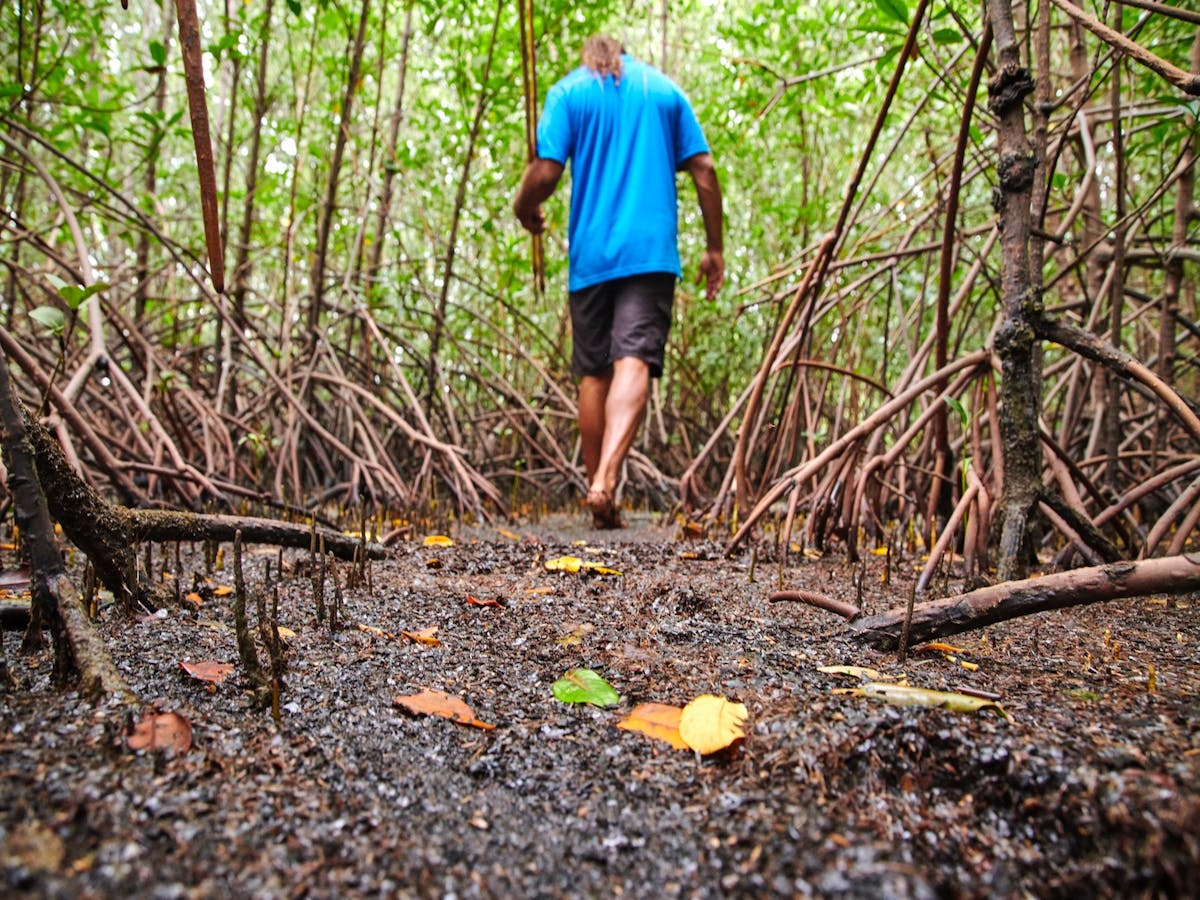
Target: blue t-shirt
(625, 142)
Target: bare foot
(605, 515)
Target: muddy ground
(1092, 786)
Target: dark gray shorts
(623, 317)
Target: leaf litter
(825, 794)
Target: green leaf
(158, 53)
(585, 686)
(74, 296)
(49, 317)
(896, 9)
(963, 416)
(947, 36)
(11, 89)
(294, 6)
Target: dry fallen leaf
(475, 601)
(710, 723)
(424, 636)
(222, 590)
(207, 670)
(658, 720)
(161, 731)
(576, 635)
(939, 647)
(904, 695)
(438, 540)
(437, 703)
(860, 672)
(575, 564)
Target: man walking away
(626, 129)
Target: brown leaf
(161, 731)
(207, 670)
(658, 720)
(475, 601)
(424, 636)
(437, 703)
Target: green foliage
(787, 94)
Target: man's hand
(533, 221)
(541, 177)
(712, 272)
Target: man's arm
(540, 180)
(708, 192)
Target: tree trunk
(1020, 388)
(150, 180)
(241, 265)
(1113, 388)
(329, 203)
(383, 213)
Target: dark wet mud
(1092, 784)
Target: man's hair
(602, 54)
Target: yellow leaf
(575, 564)
(540, 591)
(438, 540)
(710, 723)
(437, 703)
(193, 597)
(285, 632)
(658, 720)
(223, 590)
(903, 695)
(577, 635)
(564, 564)
(424, 636)
(812, 553)
(600, 570)
(860, 672)
(880, 551)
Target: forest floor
(1091, 787)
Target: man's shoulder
(576, 78)
(651, 77)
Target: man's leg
(624, 407)
(593, 394)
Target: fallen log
(109, 534)
(78, 648)
(1012, 599)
